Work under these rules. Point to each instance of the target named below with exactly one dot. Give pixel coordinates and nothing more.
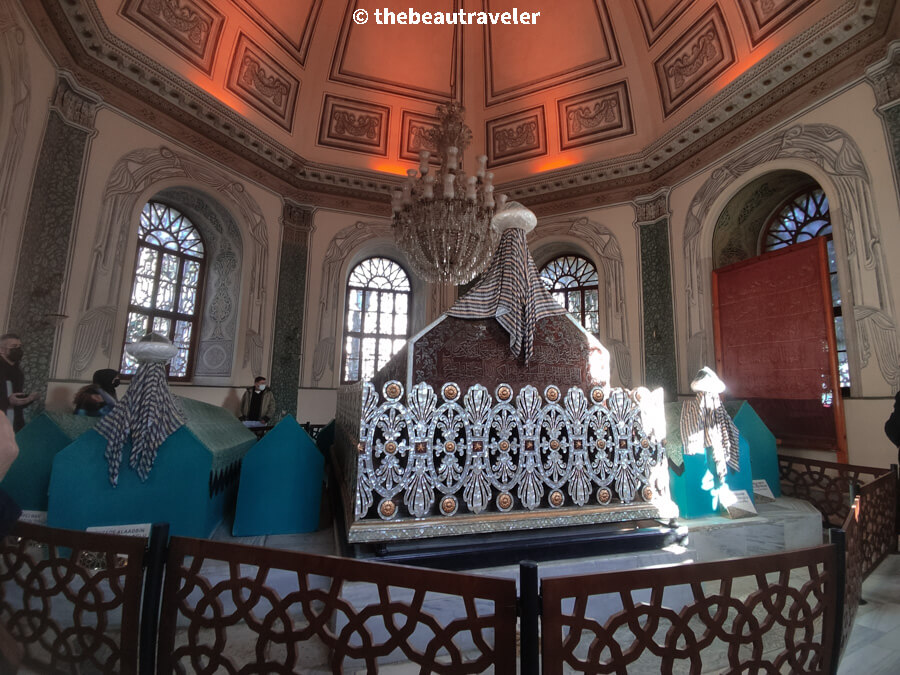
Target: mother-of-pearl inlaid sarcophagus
(499, 416)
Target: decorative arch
(602, 246)
(835, 161)
(135, 178)
(347, 248)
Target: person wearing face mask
(13, 399)
(258, 402)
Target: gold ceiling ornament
(442, 217)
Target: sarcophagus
(460, 433)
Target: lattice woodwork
(765, 614)
(72, 599)
(299, 611)
(877, 529)
(825, 484)
(853, 574)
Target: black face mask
(116, 382)
(15, 354)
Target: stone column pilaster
(38, 298)
(657, 301)
(884, 77)
(290, 305)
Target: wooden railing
(849, 535)
(877, 516)
(826, 485)
(772, 613)
(282, 611)
(72, 600)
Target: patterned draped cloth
(511, 291)
(148, 414)
(705, 423)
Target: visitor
(106, 380)
(892, 426)
(13, 398)
(88, 401)
(258, 403)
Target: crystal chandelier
(442, 219)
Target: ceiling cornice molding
(788, 70)
(822, 59)
(138, 86)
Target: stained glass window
(166, 290)
(572, 281)
(377, 317)
(801, 218)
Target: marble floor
(874, 647)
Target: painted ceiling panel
(561, 46)
(658, 15)
(419, 60)
(627, 85)
(291, 22)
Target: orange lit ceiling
(590, 91)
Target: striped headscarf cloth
(511, 291)
(706, 423)
(148, 414)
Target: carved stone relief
(515, 137)
(831, 151)
(603, 244)
(133, 176)
(190, 28)
(261, 81)
(354, 125)
(594, 116)
(694, 60)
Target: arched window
(572, 281)
(801, 218)
(377, 317)
(165, 294)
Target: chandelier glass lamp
(442, 218)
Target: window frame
(361, 334)
(580, 288)
(173, 317)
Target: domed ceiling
(588, 102)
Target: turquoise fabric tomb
(693, 482)
(191, 485)
(281, 484)
(28, 478)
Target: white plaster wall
(19, 145)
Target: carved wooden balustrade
(853, 572)
(281, 612)
(772, 613)
(877, 526)
(72, 599)
(827, 485)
